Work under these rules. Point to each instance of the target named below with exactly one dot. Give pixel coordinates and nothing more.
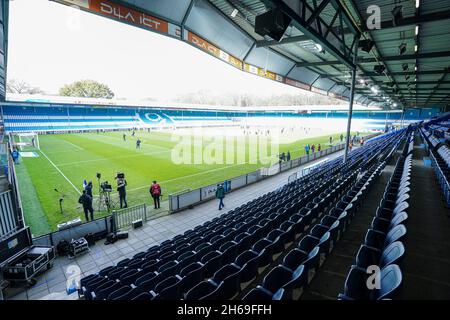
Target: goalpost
(27, 141)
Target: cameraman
(86, 201)
(88, 189)
(121, 187)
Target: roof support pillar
(350, 109)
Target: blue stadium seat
(296, 257)
(191, 275)
(168, 289)
(261, 294)
(205, 290)
(212, 262)
(248, 262)
(229, 279)
(371, 256)
(282, 277)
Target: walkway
(426, 267)
(52, 284)
(330, 278)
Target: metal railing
(124, 218)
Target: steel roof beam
(306, 26)
(404, 82)
(270, 43)
(412, 73)
(441, 54)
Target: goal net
(26, 141)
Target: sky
(52, 44)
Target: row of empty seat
(381, 253)
(289, 279)
(440, 160)
(221, 257)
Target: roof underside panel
(265, 58)
(207, 22)
(228, 27)
(173, 10)
(324, 84)
(303, 75)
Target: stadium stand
(43, 118)
(225, 257)
(440, 157)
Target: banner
(262, 73)
(316, 90)
(124, 14)
(213, 50)
(298, 84)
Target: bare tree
(22, 87)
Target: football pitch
(65, 160)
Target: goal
(26, 141)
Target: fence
(76, 232)
(11, 218)
(125, 217)
(8, 222)
(190, 198)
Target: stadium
(161, 199)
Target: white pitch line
(74, 145)
(113, 158)
(78, 191)
(203, 172)
(212, 170)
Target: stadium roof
(317, 51)
(40, 99)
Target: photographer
(121, 187)
(86, 201)
(155, 191)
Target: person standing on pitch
(155, 191)
(220, 194)
(124, 137)
(121, 188)
(86, 201)
(88, 189)
(138, 143)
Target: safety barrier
(75, 232)
(124, 218)
(8, 221)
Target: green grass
(81, 156)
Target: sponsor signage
(213, 50)
(316, 90)
(298, 84)
(124, 14)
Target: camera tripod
(105, 202)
